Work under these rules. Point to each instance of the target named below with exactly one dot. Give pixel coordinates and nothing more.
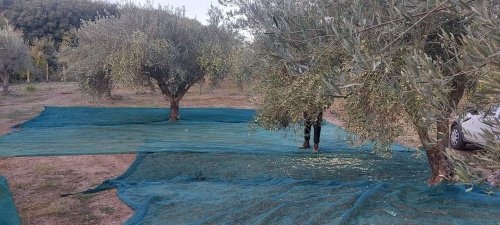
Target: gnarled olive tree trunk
(174, 97)
(441, 167)
(174, 109)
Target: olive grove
(399, 65)
(148, 46)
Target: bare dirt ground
(37, 183)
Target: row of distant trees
(43, 25)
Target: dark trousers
(312, 122)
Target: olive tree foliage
(3, 22)
(14, 56)
(417, 66)
(481, 57)
(399, 63)
(220, 46)
(44, 54)
(243, 62)
(405, 69)
(296, 73)
(86, 54)
(151, 46)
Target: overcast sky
(194, 8)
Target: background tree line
(44, 24)
(51, 19)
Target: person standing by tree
(310, 121)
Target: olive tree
(218, 48)
(296, 74)
(147, 46)
(86, 53)
(400, 63)
(14, 56)
(243, 64)
(481, 58)
(409, 61)
(44, 54)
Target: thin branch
(411, 27)
(425, 14)
(404, 18)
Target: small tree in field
(14, 56)
(148, 45)
(43, 51)
(86, 54)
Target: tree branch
(425, 14)
(404, 18)
(411, 27)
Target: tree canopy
(86, 52)
(14, 56)
(147, 46)
(399, 64)
(295, 74)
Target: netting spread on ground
(209, 168)
(8, 214)
(85, 130)
(345, 187)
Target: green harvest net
(211, 168)
(8, 214)
(345, 187)
(85, 130)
